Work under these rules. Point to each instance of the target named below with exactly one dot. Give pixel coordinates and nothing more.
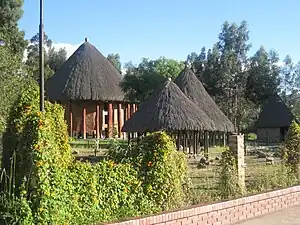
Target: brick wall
(224, 212)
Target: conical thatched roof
(86, 75)
(191, 86)
(275, 114)
(168, 109)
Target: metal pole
(41, 54)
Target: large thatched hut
(274, 121)
(87, 85)
(170, 110)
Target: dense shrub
(291, 149)
(228, 185)
(162, 169)
(45, 185)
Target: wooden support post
(195, 142)
(190, 143)
(120, 120)
(97, 121)
(128, 134)
(84, 122)
(184, 141)
(128, 111)
(110, 120)
(178, 140)
(224, 139)
(133, 108)
(70, 119)
(206, 144)
(214, 139)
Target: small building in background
(274, 121)
(88, 86)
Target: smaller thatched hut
(170, 110)
(274, 121)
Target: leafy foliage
(139, 82)
(49, 187)
(162, 170)
(228, 185)
(115, 61)
(54, 59)
(291, 149)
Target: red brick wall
(224, 212)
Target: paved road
(290, 216)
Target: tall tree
(198, 62)
(287, 77)
(56, 58)
(12, 79)
(233, 47)
(139, 82)
(263, 80)
(115, 61)
(10, 14)
(53, 59)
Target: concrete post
(236, 145)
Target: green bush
(251, 137)
(47, 186)
(291, 148)
(228, 185)
(161, 168)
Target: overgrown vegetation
(46, 185)
(162, 170)
(228, 185)
(291, 149)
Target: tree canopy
(140, 81)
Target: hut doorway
(283, 133)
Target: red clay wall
(224, 212)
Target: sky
(170, 28)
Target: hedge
(47, 186)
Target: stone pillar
(84, 122)
(110, 120)
(236, 145)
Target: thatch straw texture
(191, 86)
(275, 114)
(86, 75)
(168, 109)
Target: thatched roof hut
(168, 109)
(86, 75)
(191, 86)
(275, 114)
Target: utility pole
(41, 56)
